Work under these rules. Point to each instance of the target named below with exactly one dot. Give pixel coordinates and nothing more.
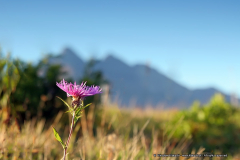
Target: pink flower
(78, 91)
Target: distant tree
(9, 78)
(24, 94)
(52, 76)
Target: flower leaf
(75, 120)
(78, 111)
(79, 117)
(58, 138)
(65, 103)
(70, 110)
(77, 114)
(86, 105)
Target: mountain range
(139, 84)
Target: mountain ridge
(71, 63)
(139, 83)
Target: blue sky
(194, 42)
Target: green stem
(69, 137)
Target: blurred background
(168, 70)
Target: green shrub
(212, 126)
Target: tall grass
(36, 142)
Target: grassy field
(110, 133)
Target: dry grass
(36, 143)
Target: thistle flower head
(78, 92)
